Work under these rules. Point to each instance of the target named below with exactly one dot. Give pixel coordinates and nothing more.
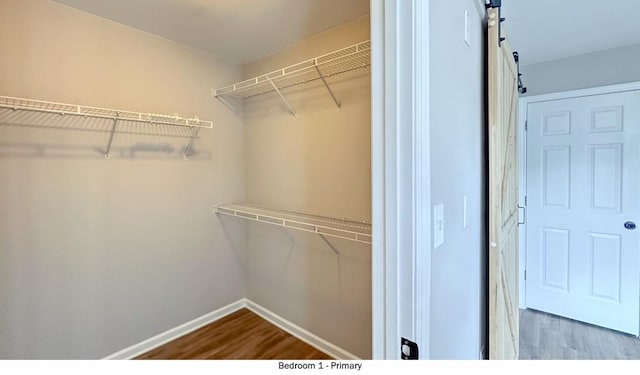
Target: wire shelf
(322, 67)
(103, 113)
(117, 116)
(328, 226)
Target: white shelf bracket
(288, 236)
(335, 100)
(282, 97)
(194, 135)
(107, 155)
(228, 103)
(330, 245)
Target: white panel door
(583, 169)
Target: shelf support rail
(189, 148)
(282, 97)
(335, 100)
(322, 231)
(107, 155)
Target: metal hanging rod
(320, 225)
(117, 116)
(102, 113)
(497, 4)
(521, 88)
(355, 57)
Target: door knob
(630, 225)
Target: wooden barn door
(503, 194)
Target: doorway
(580, 251)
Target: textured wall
(95, 254)
(458, 134)
(317, 163)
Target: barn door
(503, 194)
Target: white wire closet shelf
(21, 104)
(323, 226)
(323, 67)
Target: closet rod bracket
(324, 81)
(286, 102)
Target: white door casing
(583, 167)
(401, 257)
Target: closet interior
(227, 185)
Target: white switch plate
(465, 212)
(467, 28)
(438, 225)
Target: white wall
(457, 170)
(95, 254)
(602, 68)
(318, 163)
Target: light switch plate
(438, 225)
(467, 28)
(465, 212)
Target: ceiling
(238, 31)
(242, 31)
(543, 30)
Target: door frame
(524, 103)
(401, 193)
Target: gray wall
(458, 169)
(608, 67)
(95, 254)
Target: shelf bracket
(282, 97)
(329, 244)
(289, 237)
(227, 102)
(107, 155)
(187, 151)
(335, 100)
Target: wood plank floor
(546, 336)
(241, 335)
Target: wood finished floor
(546, 336)
(241, 335)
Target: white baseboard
(183, 329)
(301, 333)
(174, 333)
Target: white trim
(401, 249)
(401, 127)
(601, 90)
(524, 103)
(176, 332)
(301, 333)
(384, 321)
(422, 175)
(522, 193)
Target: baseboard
(158, 340)
(301, 333)
(174, 333)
